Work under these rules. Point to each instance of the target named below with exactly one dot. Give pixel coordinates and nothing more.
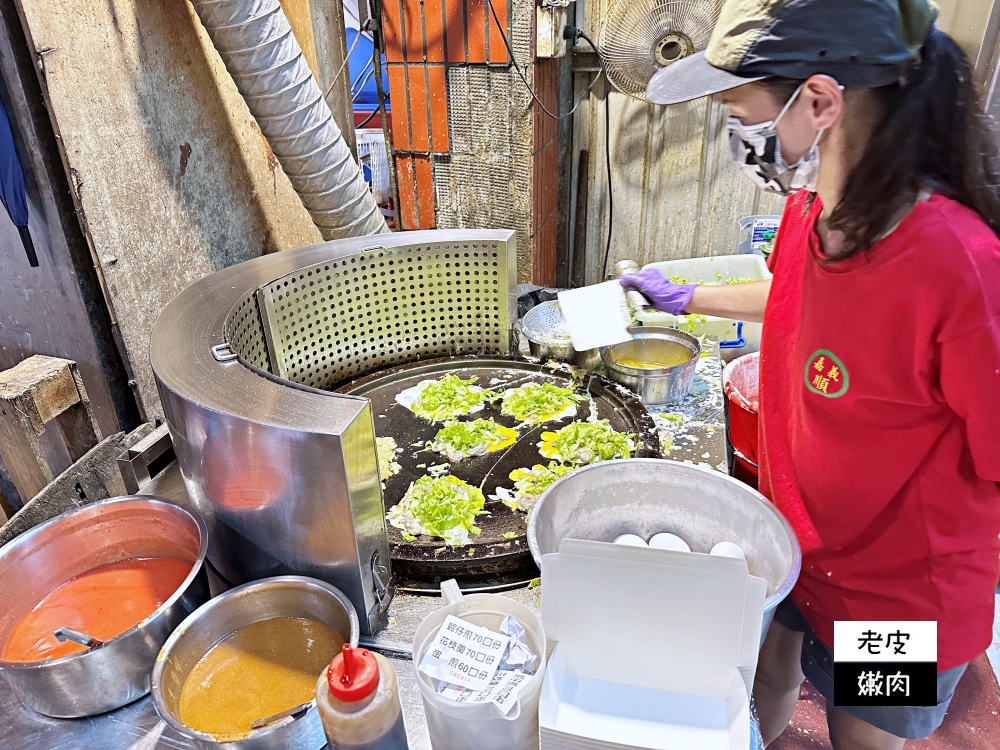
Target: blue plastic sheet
(12, 187)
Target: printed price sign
(464, 654)
(501, 692)
(885, 663)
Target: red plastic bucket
(741, 384)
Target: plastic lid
(352, 675)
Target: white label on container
(464, 654)
(501, 692)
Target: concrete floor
(972, 722)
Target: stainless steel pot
(661, 385)
(645, 496)
(282, 596)
(37, 562)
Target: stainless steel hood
(283, 470)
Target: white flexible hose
(260, 52)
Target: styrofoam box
(695, 270)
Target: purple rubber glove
(663, 294)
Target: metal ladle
(69, 634)
(267, 720)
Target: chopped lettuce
(677, 279)
(691, 322)
(529, 484)
(740, 280)
(586, 443)
(458, 440)
(445, 507)
(450, 397)
(538, 402)
(386, 449)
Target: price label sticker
(464, 654)
(501, 692)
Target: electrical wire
(344, 64)
(358, 93)
(578, 34)
(366, 120)
(520, 73)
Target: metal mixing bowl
(661, 385)
(645, 496)
(37, 562)
(282, 596)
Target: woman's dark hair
(930, 132)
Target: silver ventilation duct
(256, 43)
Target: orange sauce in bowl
(103, 602)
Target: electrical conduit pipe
(260, 52)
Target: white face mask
(757, 150)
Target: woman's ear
(825, 98)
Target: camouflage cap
(858, 42)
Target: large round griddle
(491, 561)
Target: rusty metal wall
(171, 177)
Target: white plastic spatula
(596, 315)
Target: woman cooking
(880, 356)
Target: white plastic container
(371, 150)
(714, 270)
(461, 726)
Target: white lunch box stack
(656, 649)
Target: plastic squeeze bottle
(358, 702)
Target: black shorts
(909, 722)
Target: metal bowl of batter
(235, 612)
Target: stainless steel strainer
(548, 338)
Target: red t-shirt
(880, 421)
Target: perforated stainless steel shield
(345, 317)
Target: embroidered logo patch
(825, 374)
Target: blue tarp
(12, 186)
(359, 64)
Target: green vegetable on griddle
(444, 507)
(450, 397)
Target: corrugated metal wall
(676, 192)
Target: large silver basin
(645, 496)
(40, 560)
(282, 596)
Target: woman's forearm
(738, 301)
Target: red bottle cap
(352, 675)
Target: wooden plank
(190, 185)
(392, 30)
(434, 30)
(416, 81)
(437, 88)
(399, 93)
(425, 191)
(413, 33)
(22, 452)
(498, 50)
(407, 192)
(475, 19)
(454, 27)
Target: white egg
(665, 540)
(631, 540)
(728, 549)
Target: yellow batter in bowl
(260, 670)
